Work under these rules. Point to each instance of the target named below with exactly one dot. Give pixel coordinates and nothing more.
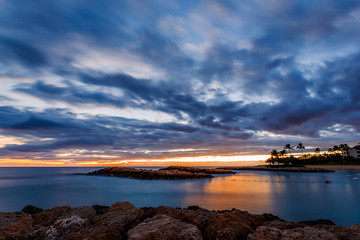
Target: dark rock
(265, 233)
(59, 229)
(7, 218)
(100, 209)
(83, 212)
(48, 217)
(309, 233)
(148, 174)
(194, 208)
(282, 225)
(354, 232)
(18, 230)
(188, 216)
(341, 232)
(162, 227)
(226, 226)
(203, 216)
(319, 221)
(30, 209)
(113, 224)
(253, 220)
(270, 217)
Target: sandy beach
(338, 167)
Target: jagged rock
(309, 233)
(270, 217)
(120, 217)
(203, 216)
(319, 221)
(83, 212)
(162, 227)
(59, 229)
(282, 225)
(100, 209)
(194, 207)
(226, 226)
(30, 209)
(18, 230)
(48, 217)
(148, 174)
(7, 218)
(188, 216)
(266, 233)
(354, 232)
(341, 232)
(253, 220)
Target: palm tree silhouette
(301, 147)
(288, 147)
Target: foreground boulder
(7, 218)
(226, 226)
(122, 220)
(18, 230)
(48, 217)
(266, 233)
(162, 227)
(184, 215)
(68, 223)
(113, 224)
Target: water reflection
(292, 196)
(244, 192)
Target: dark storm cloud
(63, 130)
(297, 75)
(15, 50)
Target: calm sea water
(291, 196)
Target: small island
(170, 173)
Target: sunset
(211, 104)
(135, 80)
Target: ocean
(291, 196)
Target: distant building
(352, 152)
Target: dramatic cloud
(134, 80)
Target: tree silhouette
(301, 147)
(317, 150)
(274, 153)
(288, 147)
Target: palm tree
(288, 147)
(274, 153)
(301, 147)
(317, 150)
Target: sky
(136, 81)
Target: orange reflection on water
(245, 192)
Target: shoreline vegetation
(337, 155)
(122, 220)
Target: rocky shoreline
(170, 173)
(122, 220)
(177, 173)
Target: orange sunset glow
(104, 161)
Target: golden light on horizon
(100, 160)
(29, 163)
